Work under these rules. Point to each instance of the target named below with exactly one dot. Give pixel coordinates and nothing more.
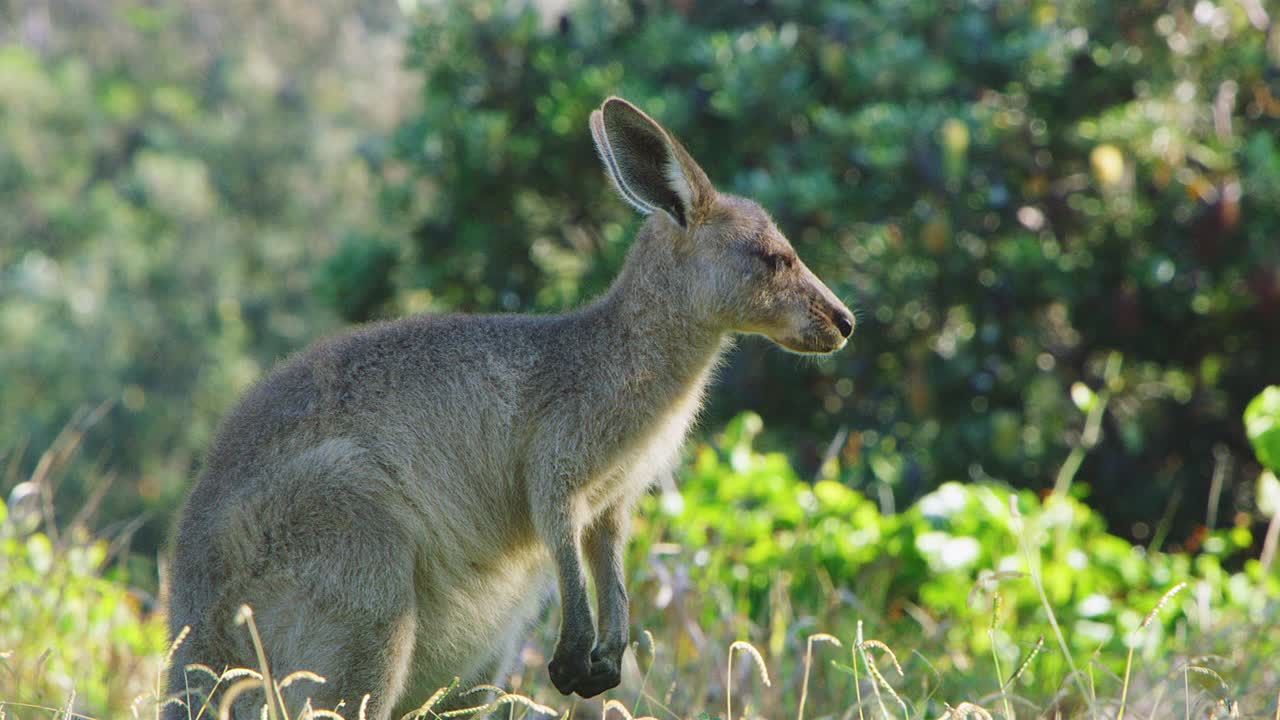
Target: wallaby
(391, 501)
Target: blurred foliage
(70, 623)
(1038, 207)
(749, 548)
(1262, 423)
(1011, 192)
(169, 176)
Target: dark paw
(606, 674)
(567, 670)
(601, 671)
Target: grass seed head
(755, 655)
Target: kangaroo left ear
(648, 166)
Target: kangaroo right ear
(648, 167)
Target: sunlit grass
(884, 701)
(1188, 689)
(74, 644)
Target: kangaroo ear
(648, 166)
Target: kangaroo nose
(844, 322)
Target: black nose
(843, 321)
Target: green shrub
(769, 554)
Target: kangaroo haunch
(392, 502)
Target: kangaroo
(395, 502)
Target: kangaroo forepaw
(586, 676)
(567, 670)
(606, 673)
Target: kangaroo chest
(639, 466)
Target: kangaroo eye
(776, 260)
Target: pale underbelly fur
(477, 619)
(481, 610)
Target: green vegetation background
(1059, 222)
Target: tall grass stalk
(1026, 662)
(1089, 437)
(158, 695)
(1128, 663)
(964, 710)
(612, 704)
(275, 703)
(1033, 569)
(728, 690)
(647, 645)
(857, 681)
(995, 656)
(1269, 543)
(808, 661)
(878, 679)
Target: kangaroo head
(723, 251)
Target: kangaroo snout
(823, 325)
(840, 321)
(834, 332)
(844, 321)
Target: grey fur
(393, 501)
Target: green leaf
(1268, 493)
(1083, 396)
(1262, 424)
